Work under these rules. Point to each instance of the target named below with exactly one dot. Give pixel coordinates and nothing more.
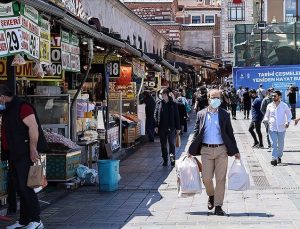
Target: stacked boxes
(129, 135)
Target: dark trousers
(29, 205)
(257, 126)
(293, 110)
(233, 110)
(167, 136)
(11, 192)
(268, 137)
(246, 113)
(150, 126)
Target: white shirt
(240, 93)
(278, 116)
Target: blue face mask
(215, 103)
(2, 107)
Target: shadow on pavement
(252, 214)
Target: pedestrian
(224, 99)
(247, 103)
(261, 92)
(292, 100)
(257, 118)
(214, 141)
(22, 140)
(201, 100)
(182, 114)
(278, 115)
(267, 100)
(149, 109)
(167, 124)
(233, 101)
(240, 93)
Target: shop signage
(30, 31)
(10, 36)
(70, 52)
(56, 54)
(6, 9)
(278, 77)
(75, 7)
(138, 68)
(45, 41)
(114, 67)
(114, 63)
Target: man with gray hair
(214, 141)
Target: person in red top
(22, 139)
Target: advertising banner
(278, 77)
(70, 52)
(45, 41)
(7, 9)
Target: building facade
(119, 19)
(233, 14)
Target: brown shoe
(210, 203)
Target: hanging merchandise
(18, 60)
(38, 70)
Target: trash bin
(108, 171)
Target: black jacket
(226, 133)
(172, 114)
(17, 132)
(150, 107)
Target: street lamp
(261, 25)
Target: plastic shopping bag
(238, 178)
(189, 181)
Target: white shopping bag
(238, 178)
(189, 181)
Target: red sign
(237, 1)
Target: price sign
(30, 44)
(114, 69)
(14, 40)
(56, 55)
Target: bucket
(108, 171)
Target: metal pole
(121, 111)
(261, 61)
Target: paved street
(147, 196)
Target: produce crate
(138, 131)
(3, 178)
(62, 167)
(129, 135)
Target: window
(292, 10)
(209, 19)
(196, 19)
(236, 12)
(230, 43)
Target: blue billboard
(278, 77)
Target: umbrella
(283, 55)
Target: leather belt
(212, 145)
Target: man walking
(267, 100)
(214, 141)
(149, 109)
(257, 118)
(21, 141)
(261, 92)
(167, 123)
(292, 100)
(278, 116)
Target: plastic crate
(62, 166)
(108, 171)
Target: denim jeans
(277, 142)
(293, 110)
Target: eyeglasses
(274, 96)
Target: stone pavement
(147, 195)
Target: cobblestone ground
(147, 195)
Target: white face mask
(215, 103)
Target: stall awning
(163, 62)
(73, 23)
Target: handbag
(36, 177)
(178, 140)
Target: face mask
(215, 103)
(2, 107)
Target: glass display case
(53, 112)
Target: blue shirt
(212, 131)
(257, 115)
